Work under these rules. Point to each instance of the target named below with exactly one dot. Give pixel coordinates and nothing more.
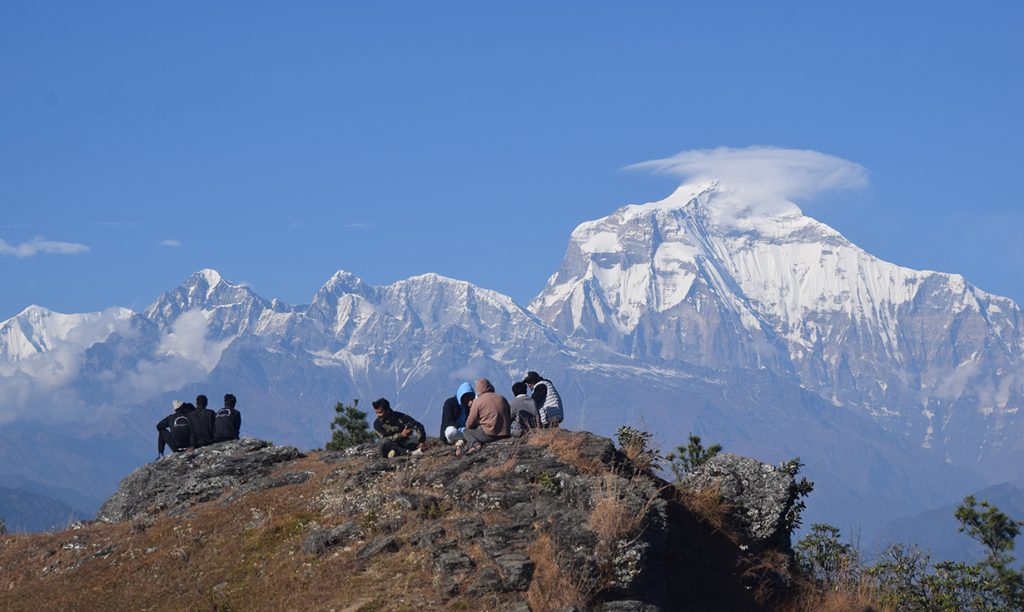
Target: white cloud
(766, 179)
(357, 225)
(60, 385)
(170, 243)
(41, 245)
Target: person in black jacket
(454, 413)
(400, 433)
(228, 422)
(200, 424)
(173, 429)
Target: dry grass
(612, 518)
(565, 445)
(558, 584)
(844, 599)
(709, 508)
(246, 556)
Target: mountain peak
(210, 276)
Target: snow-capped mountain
(693, 314)
(697, 278)
(37, 330)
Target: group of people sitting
(193, 426)
(476, 415)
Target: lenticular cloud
(763, 174)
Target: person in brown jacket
(489, 418)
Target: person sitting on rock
(545, 397)
(454, 413)
(489, 418)
(524, 411)
(172, 430)
(200, 424)
(399, 432)
(228, 422)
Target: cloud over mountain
(765, 179)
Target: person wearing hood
(489, 418)
(454, 413)
(173, 429)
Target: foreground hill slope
(557, 520)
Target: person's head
(229, 401)
(175, 404)
(483, 386)
(201, 401)
(518, 389)
(382, 407)
(532, 378)
(465, 394)
(188, 407)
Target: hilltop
(558, 520)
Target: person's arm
(418, 428)
(236, 420)
(474, 415)
(540, 393)
(161, 444)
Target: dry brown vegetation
(244, 557)
(564, 445)
(709, 508)
(612, 518)
(559, 583)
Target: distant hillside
(937, 530)
(24, 510)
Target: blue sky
(279, 142)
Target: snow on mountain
(36, 330)
(229, 309)
(701, 278)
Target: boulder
(183, 479)
(758, 496)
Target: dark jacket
(173, 430)
(200, 427)
(227, 424)
(391, 425)
(453, 413)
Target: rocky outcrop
(758, 496)
(557, 520)
(183, 479)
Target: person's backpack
(179, 433)
(223, 428)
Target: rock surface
(183, 479)
(758, 495)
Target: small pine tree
(349, 427)
(797, 493)
(690, 456)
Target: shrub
(636, 445)
(690, 456)
(800, 490)
(822, 557)
(349, 427)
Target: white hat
(176, 404)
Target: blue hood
(464, 388)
